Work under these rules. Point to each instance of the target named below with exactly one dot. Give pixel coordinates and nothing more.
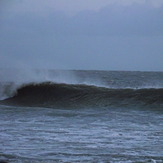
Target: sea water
(89, 133)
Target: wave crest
(56, 95)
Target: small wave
(50, 94)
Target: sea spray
(13, 79)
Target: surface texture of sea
(81, 116)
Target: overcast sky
(82, 34)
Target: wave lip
(48, 94)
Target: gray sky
(82, 34)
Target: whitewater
(80, 116)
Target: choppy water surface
(89, 133)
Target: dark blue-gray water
(81, 116)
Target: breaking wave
(54, 95)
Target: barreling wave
(56, 95)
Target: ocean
(81, 116)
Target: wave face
(55, 95)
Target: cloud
(124, 37)
(112, 20)
(68, 7)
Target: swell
(74, 95)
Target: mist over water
(23, 76)
(97, 78)
(11, 79)
(80, 88)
